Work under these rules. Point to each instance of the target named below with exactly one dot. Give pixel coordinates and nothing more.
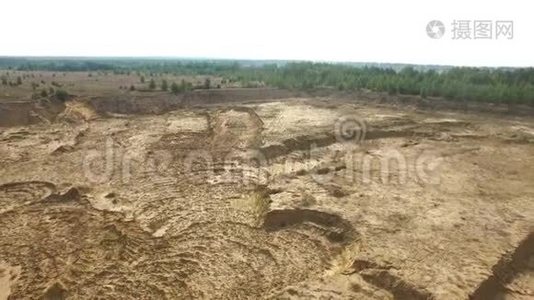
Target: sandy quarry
(283, 198)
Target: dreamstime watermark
(244, 166)
(385, 166)
(350, 130)
(472, 29)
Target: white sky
(328, 30)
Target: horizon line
(155, 57)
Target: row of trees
(499, 85)
(6, 81)
(58, 94)
(174, 87)
(512, 86)
(164, 86)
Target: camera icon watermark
(435, 29)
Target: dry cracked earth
(298, 198)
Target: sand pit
(264, 199)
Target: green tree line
(496, 85)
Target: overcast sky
(331, 30)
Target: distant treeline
(119, 65)
(461, 84)
(496, 85)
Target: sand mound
(77, 111)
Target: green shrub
(175, 89)
(61, 95)
(164, 85)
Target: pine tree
(164, 85)
(175, 89)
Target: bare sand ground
(296, 198)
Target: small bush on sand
(62, 95)
(164, 85)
